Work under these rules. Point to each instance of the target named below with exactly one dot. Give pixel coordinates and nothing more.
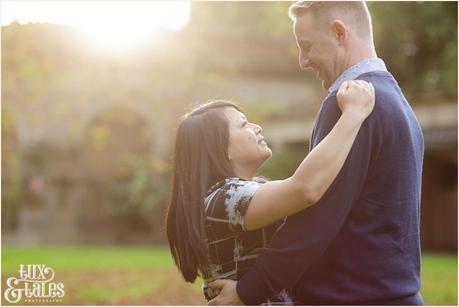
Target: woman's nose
(257, 128)
(304, 63)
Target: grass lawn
(439, 279)
(147, 276)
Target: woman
(220, 216)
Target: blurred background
(92, 93)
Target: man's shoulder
(375, 74)
(383, 82)
(371, 76)
(389, 98)
(389, 95)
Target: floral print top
(232, 249)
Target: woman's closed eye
(305, 47)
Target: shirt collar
(367, 65)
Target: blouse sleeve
(226, 206)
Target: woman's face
(247, 148)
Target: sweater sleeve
(305, 236)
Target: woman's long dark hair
(200, 161)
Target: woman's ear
(339, 30)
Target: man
(359, 245)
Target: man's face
(318, 49)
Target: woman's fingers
(372, 88)
(364, 85)
(354, 89)
(218, 284)
(343, 87)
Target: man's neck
(354, 57)
(358, 55)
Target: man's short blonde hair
(353, 13)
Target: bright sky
(109, 23)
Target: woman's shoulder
(234, 182)
(219, 185)
(230, 194)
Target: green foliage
(11, 171)
(119, 156)
(259, 111)
(417, 40)
(283, 162)
(419, 43)
(142, 192)
(149, 181)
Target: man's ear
(339, 31)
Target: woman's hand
(228, 295)
(320, 168)
(356, 98)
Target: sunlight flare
(112, 24)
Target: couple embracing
(344, 228)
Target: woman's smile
(263, 142)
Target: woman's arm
(277, 199)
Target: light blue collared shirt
(356, 70)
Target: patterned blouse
(232, 249)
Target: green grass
(109, 275)
(87, 257)
(147, 276)
(439, 279)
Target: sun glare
(111, 24)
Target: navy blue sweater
(359, 245)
